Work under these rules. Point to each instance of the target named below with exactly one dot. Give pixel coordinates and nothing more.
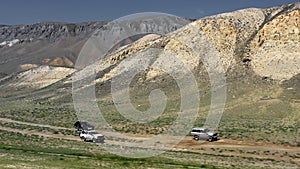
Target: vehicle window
(197, 131)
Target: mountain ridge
(54, 44)
(234, 35)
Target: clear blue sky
(32, 11)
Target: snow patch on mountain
(9, 43)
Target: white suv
(92, 135)
(204, 134)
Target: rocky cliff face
(46, 31)
(56, 44)
(275, 50)
(23, 47)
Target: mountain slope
(56, 44)
(250, 40)
(23, 47)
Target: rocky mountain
(263, 42)
(46, 31)
(23, 47)
(260, 42)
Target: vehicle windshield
(93, 132)
(200, 130)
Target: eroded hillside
(262, 41)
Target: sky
(33, 11)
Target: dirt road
(223, 147)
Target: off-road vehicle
(81, 125)
(92, 135)
(204, 134)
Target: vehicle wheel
(210, 139)
(196, 138)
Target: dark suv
(83, 125)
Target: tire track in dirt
(34, 124)
(58, 136)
